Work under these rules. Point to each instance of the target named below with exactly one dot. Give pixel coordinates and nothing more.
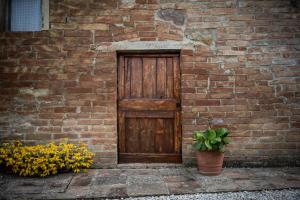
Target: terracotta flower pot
(210, 162)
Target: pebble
(254, 195)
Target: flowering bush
(44, 160)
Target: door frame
(145, 53)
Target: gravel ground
(260, 195)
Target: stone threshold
(148, 165)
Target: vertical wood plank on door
(177, 124)
(160, 136)
(136, 77)
(132, 135)
(122, 137)
(121, 80)
(177, 130)
(170, 135)
(176, 77)
(170, 79)
(127, 77)
(149, 77)
(147, 136)
(161, 77)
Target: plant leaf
(226, 140)
(198, 145)
(222, 132)
(213, 142)
(211, 134)
(199, 136)
(216, 140)
(207, 144)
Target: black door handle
(178, 105)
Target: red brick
(111, 19)
(65, 109)
(77, 33)
(147, 34)
(90, 122)
(65, 135)
(41, 136)
(208, 102)
(79, 90)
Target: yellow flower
(43, 160)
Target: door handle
(178, 105)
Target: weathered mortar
(34, 92)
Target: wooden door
(149, 124)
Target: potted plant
(210, 146)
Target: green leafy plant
(211, 139)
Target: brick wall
(241, 68)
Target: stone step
(148, 165)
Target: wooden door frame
(149, 53)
